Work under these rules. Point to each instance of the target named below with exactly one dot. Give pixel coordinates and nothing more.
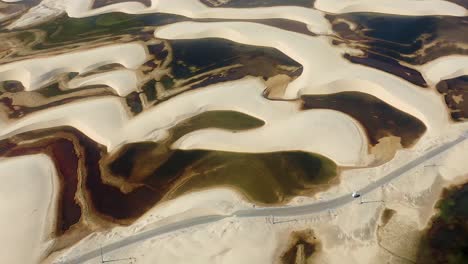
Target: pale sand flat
(28, 201)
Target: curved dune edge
(314, 19)
(28, 201)
(34, 73)
(318, 56)
(122, 81)
(194, 9)
(397, 7)
(447, 67)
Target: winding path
(269, 211)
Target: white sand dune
(324, 68)
(396, 7)
(28, 193)
(106, 121)
(304, 131)
(36, 72)
(194, 9)
(102, 119)
(28, 197)
(314, 19)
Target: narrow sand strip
(396, 7)
(27, 206)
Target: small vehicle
(356, 195)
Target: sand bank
(27, 207)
